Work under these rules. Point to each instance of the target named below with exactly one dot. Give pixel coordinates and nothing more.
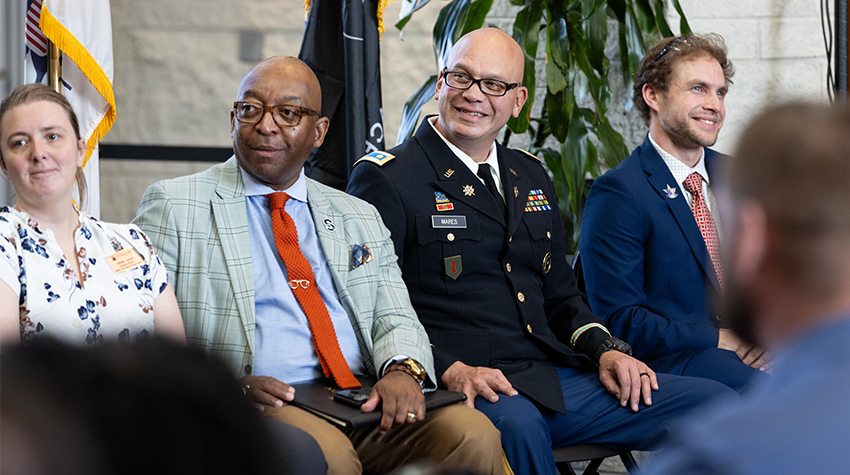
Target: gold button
(450, 236)
(548, 235)
(508, 266)
(520, 296)
(510, 238)
(528, 327)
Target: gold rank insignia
(516, 192)
(512, 171)
(449, 173)
(468, 190)
(378, 158)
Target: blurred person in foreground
(154, 407)
(289, 280)
(63, 273)
(786, 212)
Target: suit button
(510, 238)
(508, 266)
(450, 236)
(528, 327)
(548, 235)
(248, 369)
(520, 296)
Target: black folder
(318, 397)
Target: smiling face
(471, 119)
(41, 153)
(690, 113)
(275, 155)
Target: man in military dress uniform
(480, 242)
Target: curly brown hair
(657, 65)
(29, 93)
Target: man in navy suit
(650, 231)
(480, 243)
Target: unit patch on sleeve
(536, 202)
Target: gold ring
(245, 389)
(411, 415)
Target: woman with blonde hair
(63, 273)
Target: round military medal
(547, 263)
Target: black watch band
(611, 343)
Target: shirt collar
(253, 187)
(492, 158)
(679, 170)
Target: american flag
(36, 40)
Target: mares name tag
(448, 221)
(124, 260)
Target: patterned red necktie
(705, 221)
(303, 285)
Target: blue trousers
(723, 366)
(595, 416)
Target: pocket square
(360, 255)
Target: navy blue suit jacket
(515, 305)
(646, 268)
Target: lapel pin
(329, 225)
(468, 190)
(516, 192)
(448, 173)
(512, 171)
(670, 192)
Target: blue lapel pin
(671, 192)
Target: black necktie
(484, 174)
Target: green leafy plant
(578, 91)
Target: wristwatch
(611, 343)
(411, 367)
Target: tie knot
(277, 200)
(483, 170)
(693, 183)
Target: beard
(682, 128)
(739, 312)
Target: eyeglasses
(491, 87)
(668, 46)
(285, 115)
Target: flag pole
(54, 67)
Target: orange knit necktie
(303, 285)
(705, 221)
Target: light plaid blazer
(198, 225)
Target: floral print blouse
(105, 306)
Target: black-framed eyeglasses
(284, 115)
(672, 45)
(491, 87)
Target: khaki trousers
(455, 437)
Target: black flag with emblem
(341, 45)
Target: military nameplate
(447, 221)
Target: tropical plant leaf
(476, 16)
(661, 21)
(527, 33)
(559, 108)
(684, 27)
(611, 143)
(596, 31)
(447, 29)
(408, 8)
(413, 107)
(645, 16)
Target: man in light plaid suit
(213, 231)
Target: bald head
(490, 43)
(284, 69)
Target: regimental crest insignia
(671, 192)
(443, 203)
(536, 202)
(468, 190)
